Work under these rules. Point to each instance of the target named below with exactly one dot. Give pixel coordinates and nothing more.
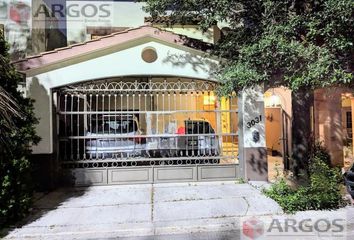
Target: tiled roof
(69, 52)
(169, 20)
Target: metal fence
(145, 122)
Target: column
(252, 144)
(328, 122)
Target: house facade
(140, 105)
(133, 100)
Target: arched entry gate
(131, 130)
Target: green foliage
(15, 180)
(294, 43)
(320, 152)
(321, 192)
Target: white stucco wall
(253, 117)
(127, 14)
(170, 62)
(122, 14)
(17, 20)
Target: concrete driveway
(143, 210)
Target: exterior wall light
(272, 100)
(209, 100)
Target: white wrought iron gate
(146, 130)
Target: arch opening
(146, 122)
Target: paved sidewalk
(143, 210)
(210, 210)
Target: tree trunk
(302, 129)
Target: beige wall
(274, 129)
(273, 125)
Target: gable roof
(62, 55)
(168, 20)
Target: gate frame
(146, 174)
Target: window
(349, 120)
(198, 127)
(349, 124)
(114, 127)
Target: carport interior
(139, 129)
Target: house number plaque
(254, 121)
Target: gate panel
(223, 172)
(175, 174)
(130, 175)
(84, 177)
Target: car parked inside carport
(194, 138)
(115, 136)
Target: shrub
(324, 188)
(320, 152)
(321, 192)
(17, 134)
